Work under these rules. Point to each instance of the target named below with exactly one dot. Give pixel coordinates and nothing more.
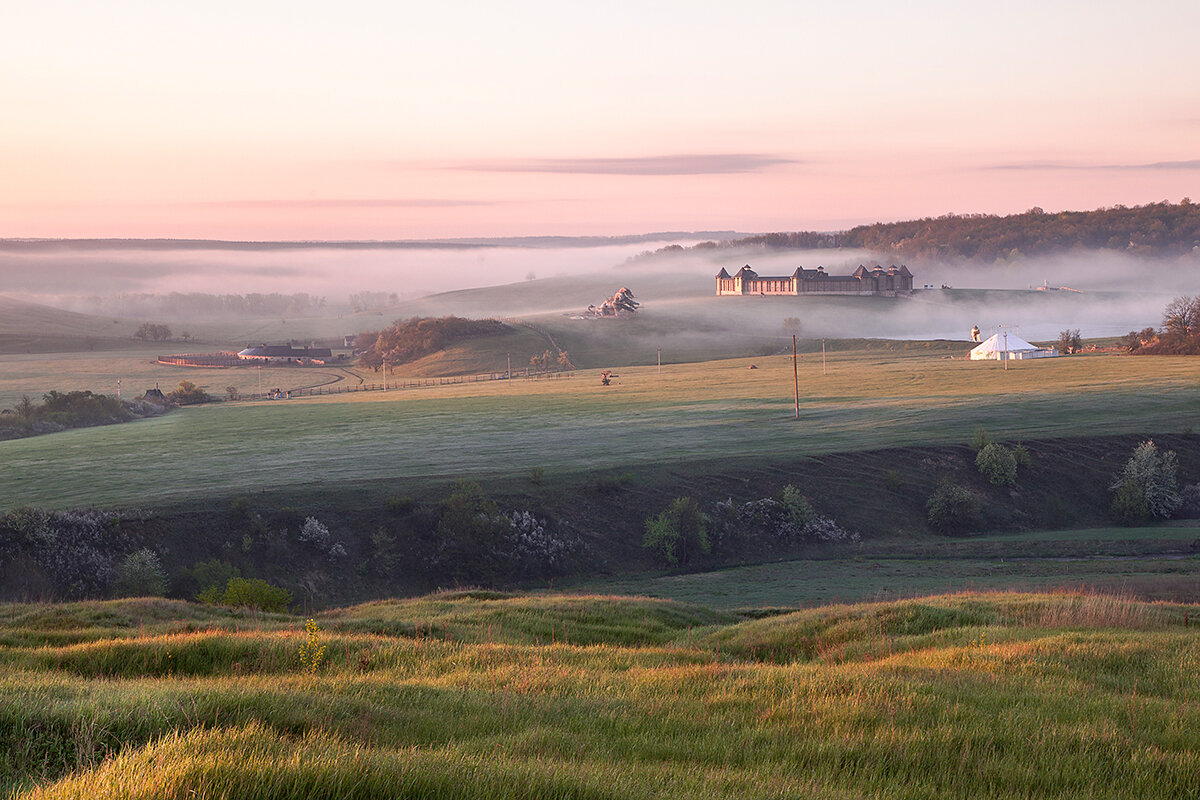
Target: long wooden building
(875, 280)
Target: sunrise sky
(400, 120)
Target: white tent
(1008, 345)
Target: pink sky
(366, 120)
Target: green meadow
(478, 694)
(722, 410)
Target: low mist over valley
(1100, 292)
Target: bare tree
(1181, 317)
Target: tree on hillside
(149, 330)
(678, 535)
(1181, 317)
(1147, 487)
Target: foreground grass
(719, 410)
(1001, 695)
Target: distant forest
(1157, 230)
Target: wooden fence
(407, 383)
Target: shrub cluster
(75, 553)
(314, 533)
(252, 593)
(684, 534)
(476, 542)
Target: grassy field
(135, 365)
(717, 410)
(488, 695)
(961, 566)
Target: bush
(678, 535)
(1189, 505)
(203, 575)
(400, 505)
(472, 536)
(1129, 506)
(141, 574)
(997, 463)
(315, 533)
(252, 593)
(188, 393)
(1147, 487)
(953, 509)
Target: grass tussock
(972, 695)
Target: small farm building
(286, 354)
(1000, 346)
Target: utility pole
(823, 372)
(796, 376)
(508, 372)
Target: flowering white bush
(315, 533)
(534, 547)
(1148, 481)
(772, 523)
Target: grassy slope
(717, 411)
(1031, 696)
(1152, 563)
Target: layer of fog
(1105, 295)
(1114, 294)
(75, 277)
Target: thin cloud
(1042, 166)
(702, 164)
(345, 203)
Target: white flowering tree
(1147, 487)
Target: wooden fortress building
(875, 280)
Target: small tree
(1069, 342)
(796, 506)
(1181, 317)
(1147, 486)
(188, 393)
(141, 574)
(952, 509)
(678, 535)
(997, 463)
